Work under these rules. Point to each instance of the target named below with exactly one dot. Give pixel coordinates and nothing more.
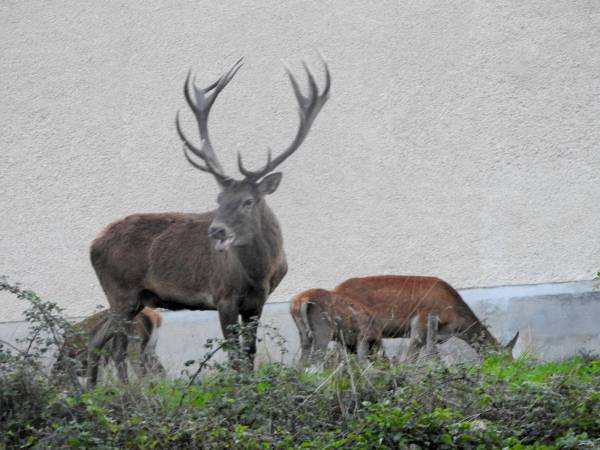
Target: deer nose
(217, 232)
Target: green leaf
(74, 442)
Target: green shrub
(521, 404)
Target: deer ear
(270, 183)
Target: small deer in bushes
(228, 260)
(74, 351)
(361, 311)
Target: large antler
(201, 108)
(308, 108)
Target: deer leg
(305, 341)
(363, 349)
(99, 339)
(432, 334)
(249, 330)
(140, 364)
(145, 340)
(228, 316)
(121, 340)
(146, 362)
(418, 333)
(118, 349)
(148, 356)
(140, 341)
(116, 326)
(124, 319)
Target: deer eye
(247, 203)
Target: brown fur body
(391, 307)
(165, 260)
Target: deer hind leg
(362, 348)
(418, 335)
(97, 342)
(112, 329)
(145, 361)
(139, 360)
(432, 335)
(305, 341)
(142, 331)
(121, 344)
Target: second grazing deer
(362, 311)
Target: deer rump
(323, 316)
(73, 354)
(360, 312)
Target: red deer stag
(228, 260)
(144, 330)
(387, 307)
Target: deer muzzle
(222, 236)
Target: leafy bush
(521, 404)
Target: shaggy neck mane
(256, 258)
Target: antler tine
(312, 84)
(327, 76)
(297, 92)
(187, 145)
(308, 109)
(218, 85)
(250, 174)
(204, 99)
(192, 162)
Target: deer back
(396, 300)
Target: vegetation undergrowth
(520, 404)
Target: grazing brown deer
(229, 259)
(144, 331)
(387, 307)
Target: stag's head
(240, 202)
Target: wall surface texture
(461, 138)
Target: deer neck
(258, 257)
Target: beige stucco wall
(461, 139)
